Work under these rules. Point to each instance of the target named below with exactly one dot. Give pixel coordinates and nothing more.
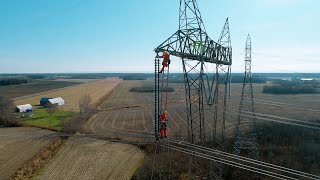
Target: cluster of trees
(6, 82)
(254, 79)
(236, 78)
(293, 146)
(149, 89)
(135, 76)
(7, 118)
(290, 87)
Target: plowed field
(71, 95)
(88, 158)
(18, 145)
(128, 112)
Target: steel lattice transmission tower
(222, 76)
(206, 65)
(245, 140)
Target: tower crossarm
(195, 44)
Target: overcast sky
(119, 36)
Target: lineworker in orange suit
(166, 60)
(163, 124)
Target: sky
(78, 36)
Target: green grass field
(41, 118)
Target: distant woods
(133, 77)
(292, 87)
(254, 79)
(149, 89)
(7, 82)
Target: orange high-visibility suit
(166, 60)
(163, 125)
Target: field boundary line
(30, 168)
(58, 89)
(44, 92)
(100, 102)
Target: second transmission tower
(245, 138)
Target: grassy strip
(41, 118)
(29, 169)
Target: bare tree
(85, 106)
(76, 123)
(52, 108)
(7, 118)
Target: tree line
(291, 87)
(7, 82)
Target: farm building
(44, 101)
(59, 101)
(24, 108)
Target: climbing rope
(164, 92)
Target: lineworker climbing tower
(164, 94)
(245, 140)
(204, 62)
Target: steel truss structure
(245, 140)
(206, 68)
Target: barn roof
(25, 106)
(56, 100)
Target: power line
(282, 105)
(248, 160)
(231, 163)
(294, 123)
(275, 167)
(288, 121)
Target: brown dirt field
(132, 123)
(76, 80)
(122, 97)
(90, 158)
(71, 95)
(291, 106)
(19, 145)
(126, 119)
(17, 91)
(129, 107)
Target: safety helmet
(165, 52)
(165, 112)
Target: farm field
(90, 158)
(301, 106)
(123, 98)
(18, 145)
(71, 95)
(131, 112)
(14, 91)
(127, 113)
(76, 80)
